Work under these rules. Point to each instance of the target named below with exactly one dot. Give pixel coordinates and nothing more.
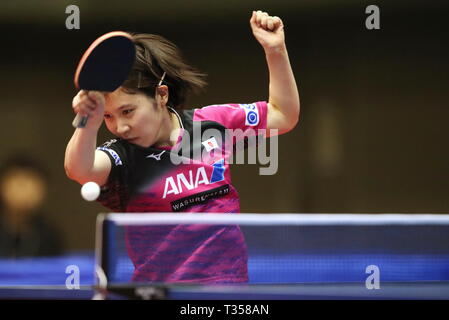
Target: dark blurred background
(373, 133)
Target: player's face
(133, 117)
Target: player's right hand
(90, 103)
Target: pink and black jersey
(192, 176)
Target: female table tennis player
(136, 172)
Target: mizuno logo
(156, 156)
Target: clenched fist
(268, 30)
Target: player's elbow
(75, 175)
(292, 120)
(285, 118)
(68, 167)
(70, 173)
(295, 120)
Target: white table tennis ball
(90, 191)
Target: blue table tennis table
(322, 291)
(45, 278)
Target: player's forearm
(283, 90)
(80, 154)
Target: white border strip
(142, 219)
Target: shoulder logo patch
(117, 160)
(210, 144)
(251, 114)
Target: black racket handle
(80, 121)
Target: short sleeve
(116, 153)
(235, 116)
(243, 122)
(115, 193)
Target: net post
(101, 256)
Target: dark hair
(154, 56)
(21, 161)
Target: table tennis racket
(104, 66)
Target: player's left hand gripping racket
(104, 66)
